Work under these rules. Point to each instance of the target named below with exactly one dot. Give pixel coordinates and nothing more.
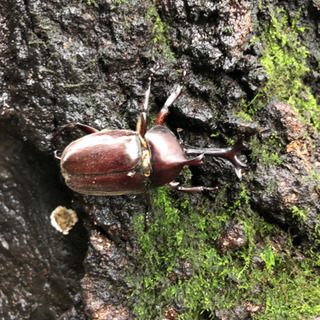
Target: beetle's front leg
(143, 118)
(172, 98)
(176, 186)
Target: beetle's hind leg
(70, 127)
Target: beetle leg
(148, 211)
(143, 118)
(70, 127)
(176, 185)
(179, 130)
(172, 98)
(56, 155)
(227, 153)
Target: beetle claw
(55, 152)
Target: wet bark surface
(89, 62)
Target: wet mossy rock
(248, 251)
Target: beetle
(118, 162)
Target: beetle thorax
(167, 155)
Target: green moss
(117, 3)
(91, 3)
(315, 177)
(285, 61)
(268, 153)
(160, 34)
(159, 28)
(181, 268)
(244, 116)
(300, 214)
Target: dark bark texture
(89, 61)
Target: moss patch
(285, 61)
(160, 34)
(270, 154)
(183, 272)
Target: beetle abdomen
(105, 163)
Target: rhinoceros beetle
(118, 162)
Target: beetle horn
(229, 154)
